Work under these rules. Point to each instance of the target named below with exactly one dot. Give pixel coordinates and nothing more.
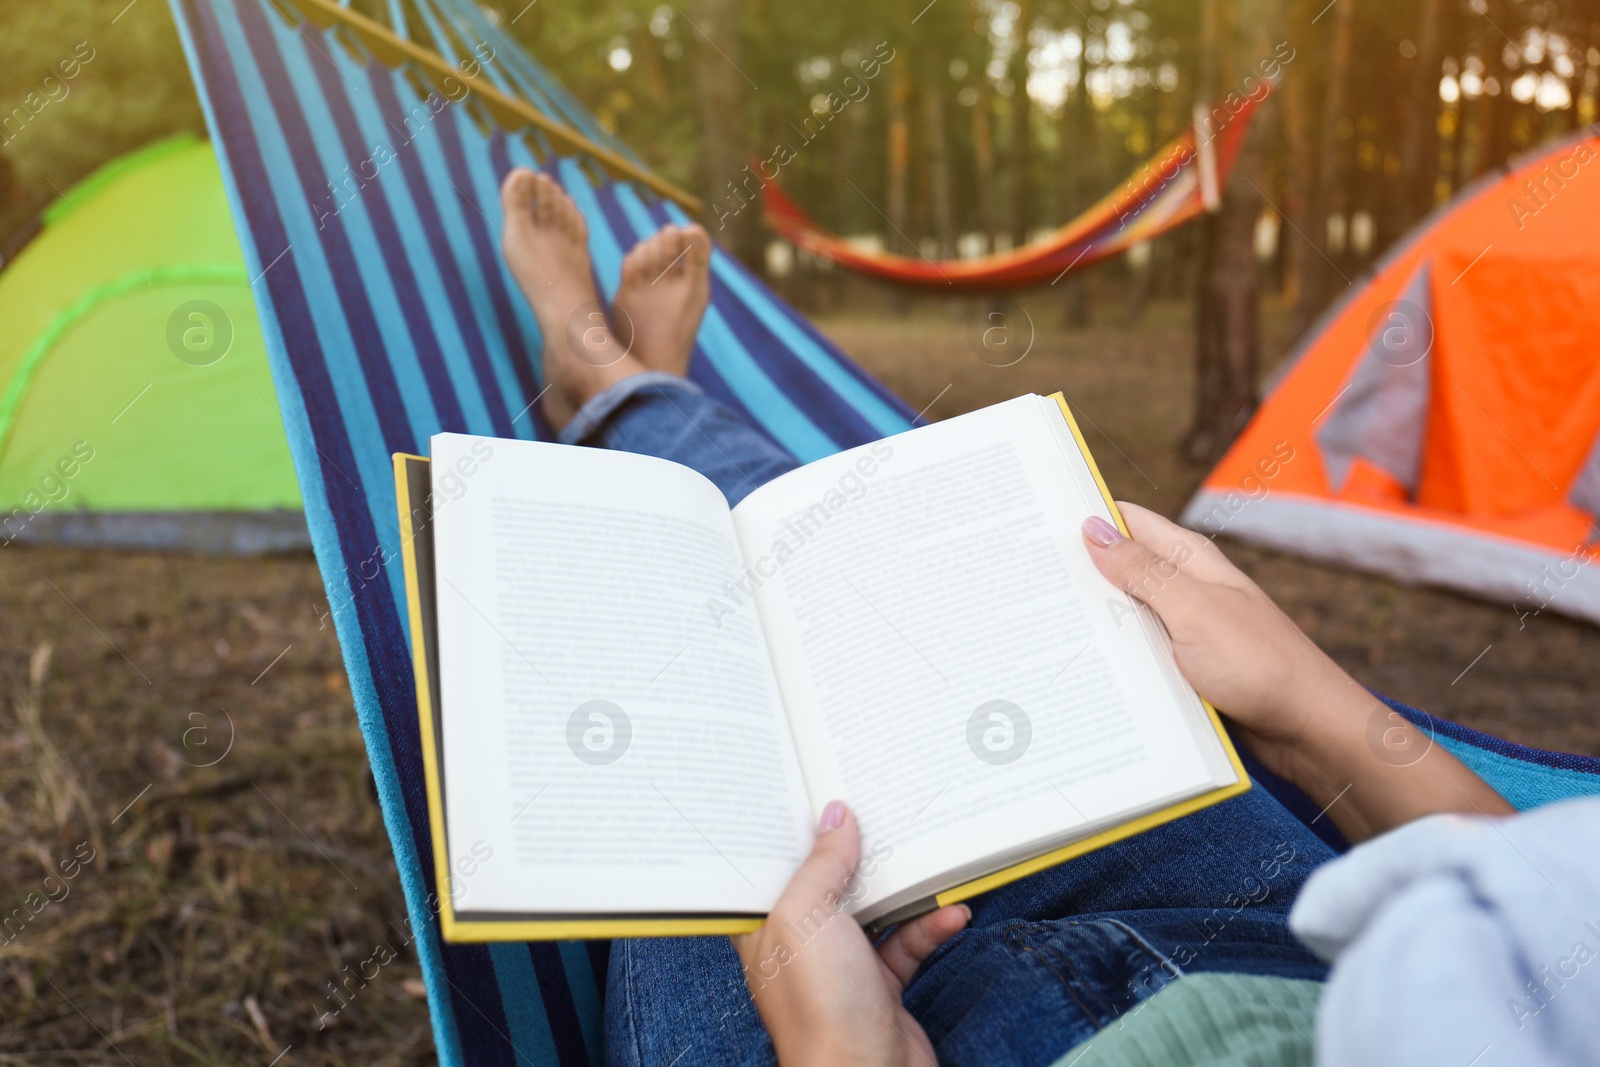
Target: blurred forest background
(993, 121)
(990, 122)
(226, 901)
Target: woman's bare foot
(546, 248)
(666, 285)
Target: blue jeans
(1048, 960)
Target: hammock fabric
(1180, 182)
(388, 317)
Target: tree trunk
(898, 194)
(983, 157)
(12, 233)
(1483, 120)
(1456, 145)
(1226, 326)
(1227, 332)
(1022, 214)
(733, 208)
(1469, 161)
(1075, 120)
(854, 143)
(1502, 111)
(1295, 98)
(1494, 111)
(1141, 279)
(1419, 147)
(933, 120)
(8, 184)
(1320, 277)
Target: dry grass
(225, 884)
(221, 899)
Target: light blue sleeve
(1462, 941)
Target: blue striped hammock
(366, 204)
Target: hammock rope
(512, 112)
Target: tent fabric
(1176, 185)
(133, 378)
(1441, 423)
(1380, 418)
(395, 320)
(217, 533)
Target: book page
(952, 663)
(607, 746)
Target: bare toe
(569, 215)
(663, 296)
(633, 265)
(649, 251)
(548, 196)
(699, 243)
(516, 192)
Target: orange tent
(1441, 422)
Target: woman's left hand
(825, 994)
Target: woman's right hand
(1300, 714)
(1232, 642)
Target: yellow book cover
(412, 491)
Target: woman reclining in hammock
(1455, 936)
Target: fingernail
(966, 909)
(1100, 531)
(832, 816)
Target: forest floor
(185, 723)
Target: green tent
(136, 405)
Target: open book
(636, 702)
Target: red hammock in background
(1184, 179)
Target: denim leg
(1053, 958)
(1024, 994)
(1210, 891)
(681, 1000)
(661, 415)
(1017, 994)
(1249, 846)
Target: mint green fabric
(1208, 1020)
